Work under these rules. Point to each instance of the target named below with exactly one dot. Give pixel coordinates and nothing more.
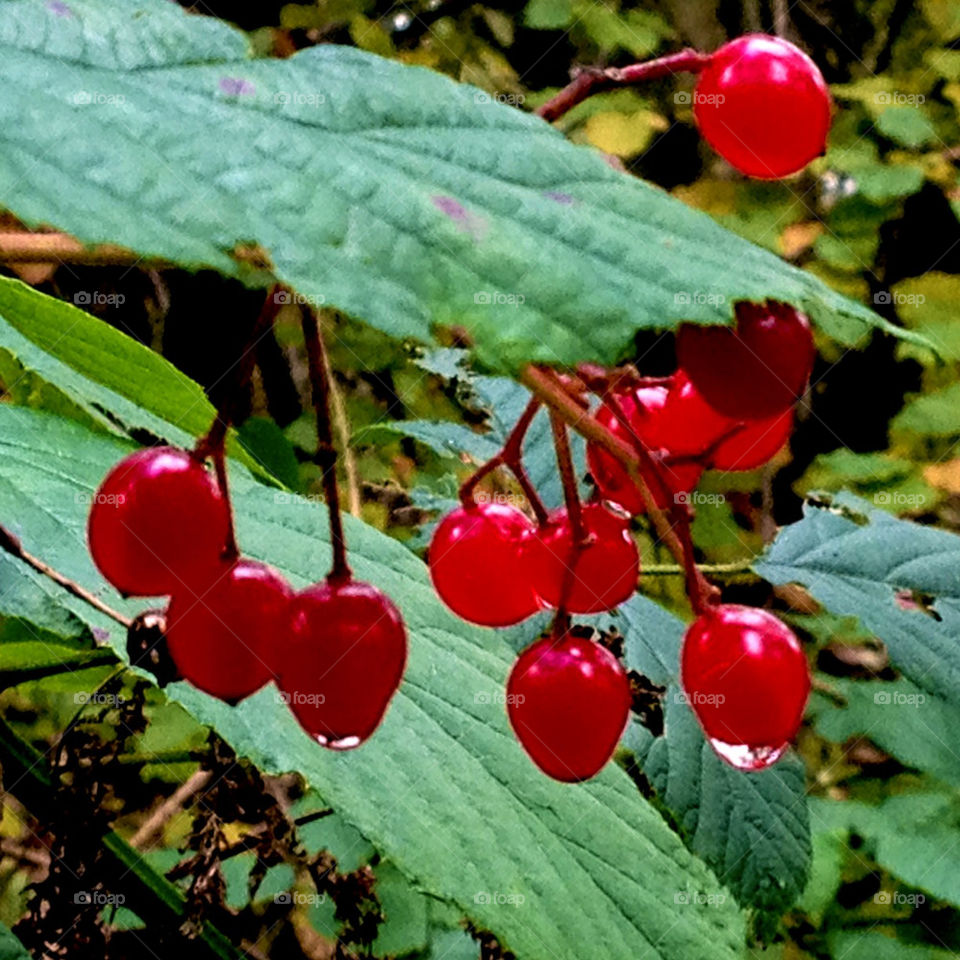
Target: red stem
(590, 80)
(511, 456)
(326, 451)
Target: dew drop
(744, 757)
(344, 743)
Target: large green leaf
(443, 789)
(901, 579)
(753, 829)
(385, 190)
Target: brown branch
(11, 544)
(590, 80)
(169, 808)
(318, 366)
(546, 388)
(18, 247)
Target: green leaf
(874, 945)
(859, 561)
(536, 247)
(21, 661)
(443, 783)
(910, 835)
(548, 14)
(907, 125)
(10, 947)
(753, 829)
(116, 382)
(932, 414)
(900, 718)
(404, 909)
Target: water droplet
(744, 757)
(344, 743)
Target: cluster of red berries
(161, 526)
(730, 407)
(763, 105)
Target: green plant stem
(578, 537)
(713, 569)
(326, 451)
(591, 80)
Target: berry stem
(590, 80)
(510, 456)
(326, 451)
(546, 387)
(571, 496)
(11, 544)
(213, 443)
(700, 592)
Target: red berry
(754, 444)
(346, 661)
(477, 565)
(695, 427)
(755, 370)
(763, 105)
(605, 571)
(643, 408)
(224, 638)
(747, 681)
(158, 522)
(568, 701)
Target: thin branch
(11, 544)
(326, 452)
(16, 247)
(511, 456)
(169, 808)
(591, 80)
(341, 423)
(546, 388)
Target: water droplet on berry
(344, 743)
(747, 758)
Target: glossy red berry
(747, 680)
(477, 566)
(568, 701)
(697, 429)
(158, 522)
(224, 637)
(643, 409)
(346, 661)
(763, 105)
(755, 370)
(604, 573)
